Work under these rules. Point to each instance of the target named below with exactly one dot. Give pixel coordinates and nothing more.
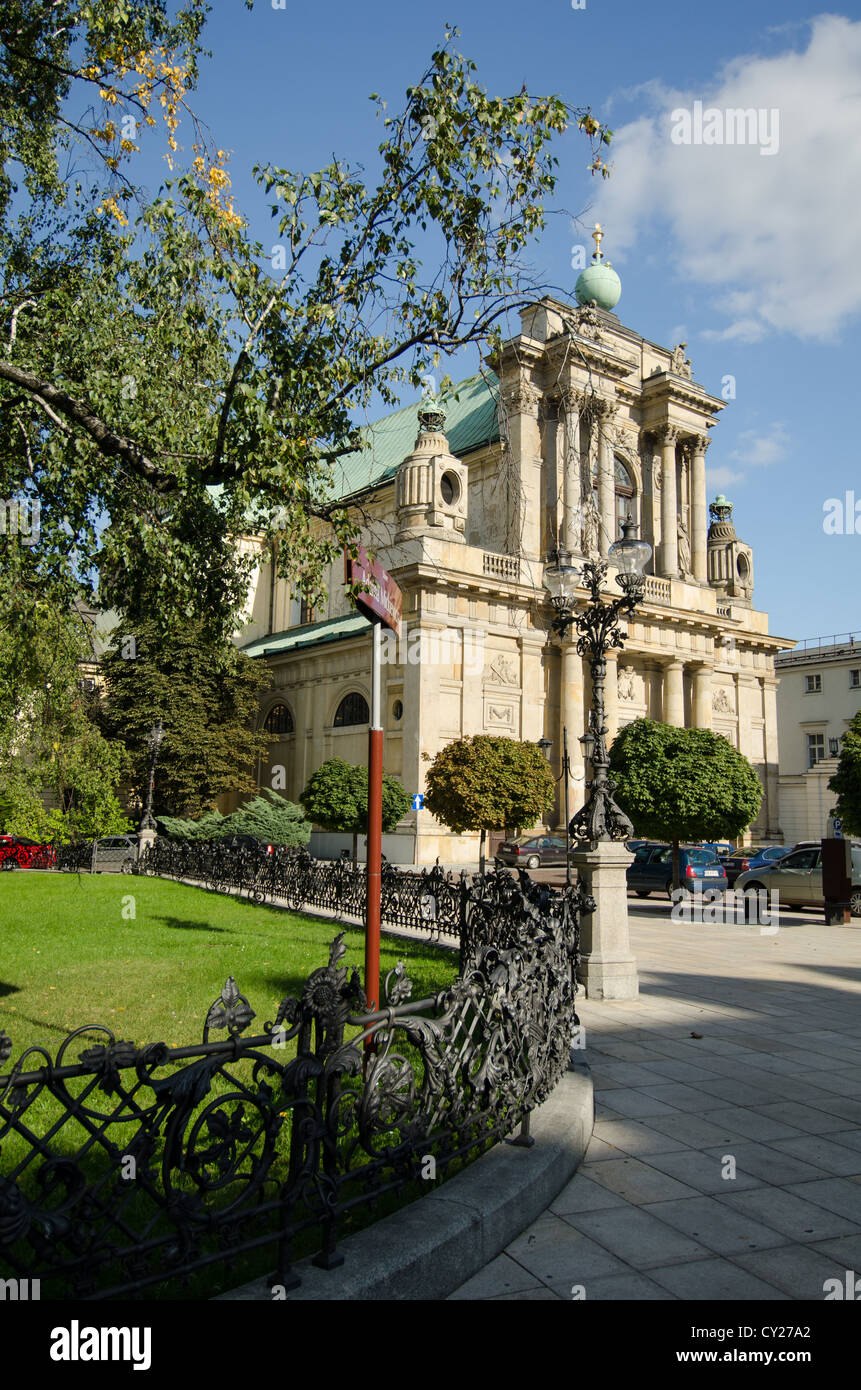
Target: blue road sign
(418, 801)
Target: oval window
(450, 488)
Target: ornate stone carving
(503, 670)
(668, 434)
(720, 701)
(679, 364)
(657, 473)
(500, 714)
(684, 549)
(587, 323)
(625, 683)
(522, 398)
(699, 443)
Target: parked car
(652, 870)
(17, 852)
(721, 848)
(743, 859)
(797, 877)
(248, 842)
(532, 851)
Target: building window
(855, 679)
(353, 709)
(398, 711)
(815, 749)
(279, 721)
(625, 504)
(812, 684)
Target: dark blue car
(652, 870)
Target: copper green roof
(471, 421)
(309, 635)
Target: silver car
(115, 854)
(797, 877)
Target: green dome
(599, 282)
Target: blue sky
(754, 259)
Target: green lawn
(68, 957)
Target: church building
(577, 424)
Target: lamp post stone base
(608, 970)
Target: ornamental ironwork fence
(431, 899)
(124, 1167)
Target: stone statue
(625, 683)
(590, 531)
(680, 364)
(684, 548)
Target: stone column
(606, 479)
(572, 523)
(703, 697)
(668, 436)
(699, 508)
(674, 693)
(608, 970)
(769, 686)
(553, 434)
(572, 717)
(521, 400)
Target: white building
(818, 695)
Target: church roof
(471, 421)
(309, 635)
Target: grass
(72, 954)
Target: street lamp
(153, 743)
(598, 633)
(545, 744)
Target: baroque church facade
(578, 423)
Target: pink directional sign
(377, 594)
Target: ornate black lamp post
(153, 743)
(545, 744)
(597, 625)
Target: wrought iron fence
(430, 899)
(127, 1166)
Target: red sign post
(376, 595)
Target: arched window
(279, 721)
(625, 503)
(353, 709)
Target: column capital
(698, 443)
(522, 397)
(667, 434)
(572, 398)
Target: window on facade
(353, 709)
(278, 721)
(812, 684)
(815, 748)
(625, 503)
(854, 679)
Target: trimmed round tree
(336, 798)
(846, 781)
(682, 784)
(486, 783)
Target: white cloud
(722, 477)
(759, 450)
(774, 235)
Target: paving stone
(804, 1117)
(710, 1280)
(762, 1161)
(632, 1137)
(637, 1237)
(692, 1100)
(634, 1104)
(798, 1217)
(582, 1194)
(502, 1276)
(752, 1124)
(711, 1223)
(681, 1071)
(694, 1131)
(736, 1091)
(703, 1171)
(840, 1195)
(624, 1288)
(553, 1249)
(639, 1182)
(798, 1270)
(850, 1138)
(824, 1152)
(540, 1295)
(630, 1073)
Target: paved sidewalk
(742, 1055)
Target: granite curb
(428, 1249)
